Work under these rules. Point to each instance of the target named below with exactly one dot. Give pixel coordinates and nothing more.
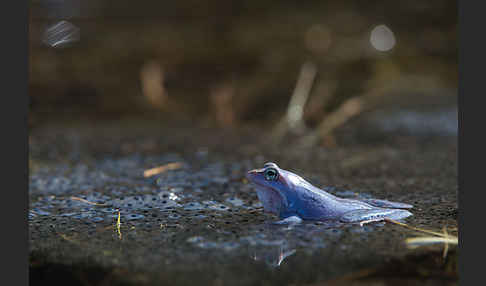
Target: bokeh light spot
(382, 38)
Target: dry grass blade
(416, 228)
(86, 201)
(118, 225)
(446, 246)
(443, 237)
(257, 209)
(152, 80)
(161, 169)
(299, 98)
(295, 110)
(346, 111)
(414, 242)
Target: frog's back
(319, 205)
(316, 204)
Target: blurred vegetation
(237, 62)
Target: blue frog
(294, 199)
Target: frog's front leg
(289, 220)
(372, 215)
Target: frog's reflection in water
(272, 253)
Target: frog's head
(274, 187)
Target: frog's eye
(270, 174)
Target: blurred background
(293, 68)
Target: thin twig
(161, 169)
(346, 111)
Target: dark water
(202, 223)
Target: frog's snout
(250, 174)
